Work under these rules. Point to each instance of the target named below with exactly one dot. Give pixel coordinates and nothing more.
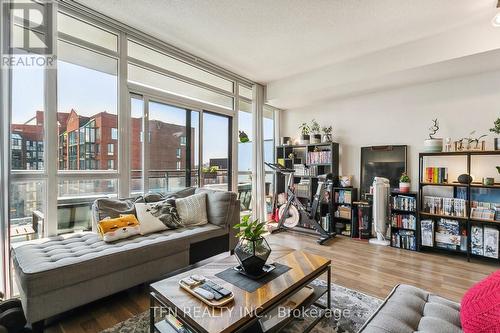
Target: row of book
(343, 197)
(319, 157)
(403, 202)
(326, 222)
(447, 235)
(404, 239)
(302, 189)
(343, 212)
(302, 170)
(484, 241)
(406, 221)
(445, 206)
(436, 175)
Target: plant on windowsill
(304, 134)
(315, 130)
(496, 130)
(404, 183)
(252, 250)
(210, 172)
(432, 144)
(327, 133)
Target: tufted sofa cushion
(408, 309)
(51, 263)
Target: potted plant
(432, 144)
(243, 137)
(252, 249)
(210, 172)
(327, 133)
(315, 130)
(404, 183)
(496, 130)
(304, 134)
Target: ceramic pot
(305, 139)
(316, 138)
(433, 145)
(404, 187)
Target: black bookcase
(404, 220)
(309, 161)
(343, 214)
(461, 191)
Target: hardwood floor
(371, 269)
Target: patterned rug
(350, 310)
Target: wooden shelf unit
(300, 152)
(465, 222)
(395, 230)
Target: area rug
(350, 310)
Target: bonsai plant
(304, 134)
(252, 249)
(327, 133)
(315, 130)
(496, 130)
(432, 144)
(404, 183)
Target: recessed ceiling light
(496, 19)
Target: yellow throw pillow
(121, 227)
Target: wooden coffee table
(243, 314)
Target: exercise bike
(293, 211)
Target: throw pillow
(480, 306)
(157, 216)
(125, 226)
(193, 209)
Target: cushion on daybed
(64, 260)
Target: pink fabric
(480, 307)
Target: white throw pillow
(148, 222)
(193, 209)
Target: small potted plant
(404, 183)
(432, 144)
(496, 130)
(210, 172)
(304, 134)
(315, 130)
(327, 133)
(243, 137)
(252, 249)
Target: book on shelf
(343, 197)
(445, 206)
(404, 239)
(303, 170)
(490, 240)
(403, 202)
(319, 157)
(406, 221)
(436, 175)
(302, 189)
(343, 212)
(476, 240)
(427, 231)
(448, 235)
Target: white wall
(403, 116)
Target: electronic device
(198, 278)
(204, 293)
(189, 281)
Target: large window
(216, 170)
(245, 155)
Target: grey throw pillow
(166, 212)
(193, 209)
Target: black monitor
(382, 161)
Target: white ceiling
(283, 41)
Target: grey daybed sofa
(409, 309)
(60, 273)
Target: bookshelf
(404, 220)
(343, 214)
(309, 161)
(462, 218)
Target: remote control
(204, 293)
(188, 281)
(217, 296)
(218, 288)
(198, 278)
